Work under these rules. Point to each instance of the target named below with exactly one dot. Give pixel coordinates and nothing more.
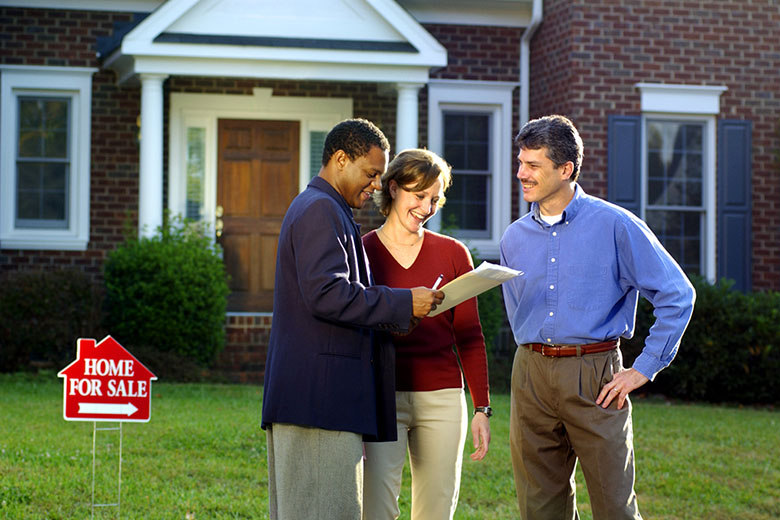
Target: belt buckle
(544, 347)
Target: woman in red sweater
(430, 401)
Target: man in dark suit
(329, 377)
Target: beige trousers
(432, 426)
(554, 421)
(314, 474)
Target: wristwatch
(484, 409)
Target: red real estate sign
(106, 383)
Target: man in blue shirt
(585, 261)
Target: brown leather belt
(571, 350)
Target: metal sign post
(118, 503)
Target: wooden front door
(257, 180)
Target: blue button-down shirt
(583, 276)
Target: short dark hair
(355, 137)
(413, 170)
(559, 136)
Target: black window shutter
(624, 161)
(734, 203)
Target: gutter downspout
(525, 57)
(525, 74)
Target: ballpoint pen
(437, 282)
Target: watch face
(484, 409)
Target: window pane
(694, 138)
(674, 159)
(477, 156)
(56, 143)
(28, 205)
(52, 206)
(693, 194)
(466, 141)
(655, 192)
(43, 127)
(41, 192)
(467, 205)
(28, 176)
(30, 144)
(196, 171)
(693, 166)
(477, 129)
(53, 177)
(30, 114)
(455, 154)
(655, 167)
(454, 127)
(680, 232)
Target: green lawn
(202, 456)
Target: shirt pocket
(586, 286)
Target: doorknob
(218, 224)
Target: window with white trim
(678, 171)
(44, 157)
(470, 126)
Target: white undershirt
(551, 219)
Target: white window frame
(686, 103)
(74, 83)
(495, 100)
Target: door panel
(258, 178)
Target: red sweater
(425, 359)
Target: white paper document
(475, 282)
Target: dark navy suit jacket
(330, 362)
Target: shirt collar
(569, 212)
(321, 184)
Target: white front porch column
(150, 182)
(406, 123)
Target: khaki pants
(432, 426)
(554, 421)
(314, 474)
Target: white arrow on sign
(107, 409)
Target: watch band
(484, 409)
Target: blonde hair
(414, 169)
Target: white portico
(324, 40)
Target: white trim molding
(680, 99)
(74, 83)
(681, 103)
(390, 44)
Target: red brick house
(217, 110)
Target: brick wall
(588, 55)
(478, 53)
(243, 360)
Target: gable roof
(353, 40)
(108, 347)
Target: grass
(202, 456)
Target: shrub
(168, 292)
(730, 351)
(42, 313)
